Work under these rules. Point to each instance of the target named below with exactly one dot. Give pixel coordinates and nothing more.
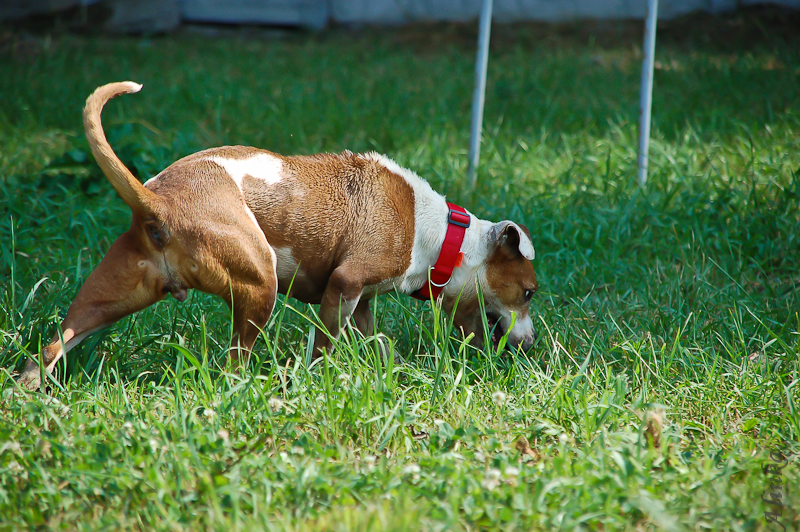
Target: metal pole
(646, 94)
(480, 91)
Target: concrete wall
(162, 15)
(402, 11)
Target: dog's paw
(30, 378)
(384, 347)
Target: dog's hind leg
(252, 306)
(123, 283)
(239, 267)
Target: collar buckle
(450, 255)
(459, 218)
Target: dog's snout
(179, 294)
(528, 341)
(176, 290)
(522, 342)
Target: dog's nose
(177, 290)
(528, 341)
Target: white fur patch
(287, 264)
(430, 225)
(525, 244)
(261, 166)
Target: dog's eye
(156, 235)
(528, 295)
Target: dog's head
(507, 282)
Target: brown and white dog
(245, 224)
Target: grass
(681, 297)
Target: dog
(328, 229)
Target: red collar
(449, 257)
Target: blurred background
(166, 15)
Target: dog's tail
(141, 200)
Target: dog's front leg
(362, 315)
(365, 322)
(341, 298)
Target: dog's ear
(511, 239)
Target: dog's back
(314, 210)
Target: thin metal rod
(646, 94)
(479, 95)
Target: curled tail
(141, 200)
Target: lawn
(662, 393)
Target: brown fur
(334, 210)
(504, 269)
